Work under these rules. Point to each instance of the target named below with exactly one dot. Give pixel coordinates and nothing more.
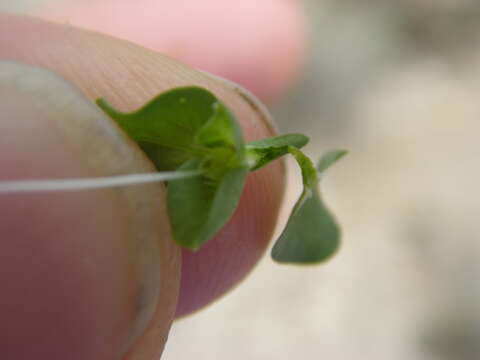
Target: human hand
(80, 286)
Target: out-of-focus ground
(398, 84)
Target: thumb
(82, 272)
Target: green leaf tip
(260, 153)
(330, 158)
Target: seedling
(197, 146)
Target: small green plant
(197, 146)
(189, 129)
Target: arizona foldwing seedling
(198, 148)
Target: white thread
(47, 185)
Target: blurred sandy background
(396, 83)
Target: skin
(261, 46)
(127, 75)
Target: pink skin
(256, 43)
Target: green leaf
(329, 158)
(201, 206)
(311, 234)
(260, 153)
(223, 138)
(166, 127)
(296, 140)
(164, 158)
(189, 129)
(221, 131)
(198, 208)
